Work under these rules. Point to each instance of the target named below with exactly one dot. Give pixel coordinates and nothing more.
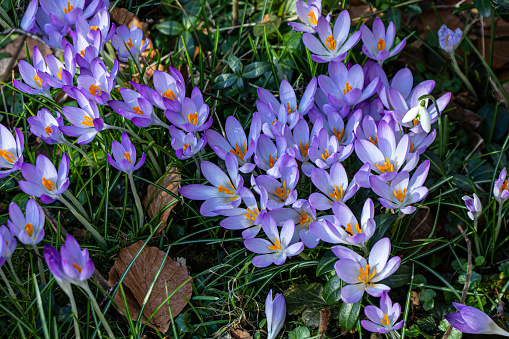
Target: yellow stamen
(380, 44)
(415, 121)
(289, 109)
(185, 147)
(312, 17)
(385, 320)
(30, 229)
(325, 155)
(330, 43)
(400, 195)
(386, 166)
(305, 219)
(59, 73)
(48, 130)
(337, 195)
(374, 142)
(38, 80)
(193, 118)
(94, 28)
(137, 110)
(77, 267)
(304, 148)
(271, 161)
(238, 152)
(7, 155)
(68, 8)
(228, 191)
(338, 134)
(82, 53)
(50, 186)
(347, 88)
(87, 121)
(169, 94)
(282, 193)
(411, 147)
(276, 247)
(365, 277)
(130, 43)
(252, 214)
(349, 229)
(504, 186)
(127, 156)
(94, 89)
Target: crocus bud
(500, 190)
(473, 205)
(275, 310)
(473, 321)
(448, 39)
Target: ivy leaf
(234, 63)
(299, 333)
(224, 80)
(332, 290)
(484, 7)
(255, 69)
(326, 264)
(300, 297)
(348, 315)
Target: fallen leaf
(121, 16)
(139, 279)
(240, 334)
(157, 199)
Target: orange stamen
(193, 118)
(312, 18)
(237, 151)
(400, 195)
(347, 89)
(386, 166)
(228, 191)
(30, 229)
(330, 43)
(7, 155)
(271, 160)
(137, 110)
(77, 267)
(87, 121)
(365, 277)
(276, 247)
(127, 156)
(380, 44)
(48, 130)
(252, 214)
(282, 193)
(38, 80)
(50, 186)
(68, 8)
(385, 320)
(374, 142)
(169, 94)
(94, 89)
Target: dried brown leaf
(240, 334)
(139, 279)
(157, 199)
(121, 16)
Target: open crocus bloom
(36, 78)
(473, 321)
(308, 13)
(125, 155)
(66, 12)
(449, 39)
(99, 22)
(136, 108)
(43, 181)
(378, 44)
(268, 156)
(333, 44)
(325, 150)
(194, 116)
(383, 319)
(11, 151)
(362, 275)
(30, 229)
(336, 126)
(278, 248)
(500, 189)
(100, 83)
(302, 140)
(275, 310)
(129, 38)
(185, 144)
(47, 127)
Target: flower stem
(39, 263)
(98, 310)
(18, 281)
(136, 200)
(499, 223)
(462, 76)
(198, 170)
(76, 203)
(476, 239)
(9, 287)
(75, 314)
(82, 152)
(85, 223)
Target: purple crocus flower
(43, 180)
(302, 141)
(136, 109)
(30, 229)
(473, 321)
(345, 229)
(345, 133)
(99, 22)
(100, 83)
(64, 14)
(278, 248)
(275, 311)
(28, 22)
(473, 205)
(236, 141)
(402, 191)
(72, 265)
(449, 39)
(8, 243)
(420, 141)
(384, 319)
(194, 114)
(333, 44)
(124, 153)
(11, 151)
(362, 275)
(84, 51)
(378, 44)
(268, 156)
(500, 189)
(335, 187)
(346, 86)
(309, 14)
(185, 145)
(35, 77)
(325, 150)
(367, 130)
(129, 38)
(47, 127)
(169, 90)
(225, 190)
(61, 74)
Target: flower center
(130, 43)
(374, 142)
(386, 166)
(50, 186)
(127, 156)
(289, 109)
(238, 152)
(76, 267)
(305, 219)
(7, 155)
(193, 118)
(282, 193)
(82, 53)
(446, 40)
(59, 73)
(48, 130)
(185, 146)
(335, 194)
(169, 94)
(226, 190)
(271, 160)
(252, 213)
(400, 195)
(68, 8)
(304, 149)
(415, 121)
(385, 320)
(330, 43)
(339, 134)
(347, 88)
(325, 155)
(87, 121)
(380, 44)
(349, 229)
(94, 89)
(504, 186)
(312, 18)
(137, 110)
(364, 275)
(30, 229)
(38, 80)
(276, 247)
(94, 28)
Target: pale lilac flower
(377, 44)
(384, 319)
(278, 248)
(362, 275)
(402, 82)
(275, 311)
(43, 180)
(30, 229)
(373, 108)
(325, 150)
(185, 145)
(84, 51)
(449, 39)
(100, 83)
(421, 140)
(64, 13)
(62, 74)
(336, 126)
(403, 191)
(99, 22)
(194, 116)
(47, 127)
(500, 189)
(268, 156)
(367, 130)
(302, 140)
(474, 321)
(333, 44)
(125, 155)
(309, 14)
(35, 77)
(8, 244)
(29, 18)
(169, 92)
(129, 38)
(473, 205)
(11, 151)
(225, 192)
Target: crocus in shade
(383, 319)
(98, 86)
(30, 229)
(35, 77)
(420, 141)
(362, 275)
(72, 264)
(332, 45)
(186, 145)
(43, 180)
(194, 116)
(473, 205)
(47, 127)
(124, 154)
(11, 151)
(9, 244)
(278, 248)
(308, 13)
(474, 321)
(275, 311)
(403, 191)
(334, 187)
(449, 39)
(325, 150)
(28, 22)
(225, 190)
(500, 189)
(378, 43)
(129, 38)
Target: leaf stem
(39, 263)
(136, 199)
